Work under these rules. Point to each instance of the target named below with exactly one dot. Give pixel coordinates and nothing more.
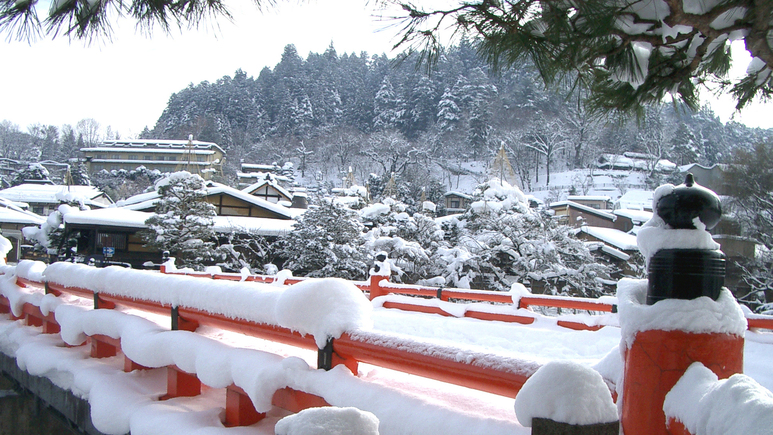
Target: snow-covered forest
(330, 112)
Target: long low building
(203, 158)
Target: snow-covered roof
(584, 208)
(144, 201)
(588, 198)
(636, 200)
(217, 188)
(148, 144)
(463, 195)
(53, 194)
(611, 236)
(637, 216)
(14, 216)
(121, 217)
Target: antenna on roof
(191, 166)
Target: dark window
(454, 203)
(111, 240)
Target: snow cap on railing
(31, 270)
(324, 308)
(706, 405)
(701, 315)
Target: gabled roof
(55, 194)
(584, 208)
(269, 180)
(460, 194)
(145, 201)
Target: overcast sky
(126, 83)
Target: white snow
(566, 392)
(329, 421)
(323, 308)
(700, 315)
(709, 406)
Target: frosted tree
(183, 221)
(448, 112)
(325, 242)
(387, 107)
(506, 240)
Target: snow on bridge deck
(434, 406)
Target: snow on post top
(565, 392)
(701, 315)
(667, 229)
(709, 406)
(328, 420)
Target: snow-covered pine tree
(183, 222)
(514, 243)
(326, 242)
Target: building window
(116, 157)
(99, 167)
(111, 240)
(454, 203)
(146, 157)
(133, 157)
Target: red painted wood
(510, 318)
(578, 326)
(564, 302)
(180, 383)
(103, 346)
(239, 410)
(657, 360)
(296, 401)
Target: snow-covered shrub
(509, 242)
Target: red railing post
(375, 287)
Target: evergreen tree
(325, 242)
(183, 221)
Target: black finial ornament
(687, 273)
(686, 202)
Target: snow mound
(700, 315)
(328, 421)
(31, 270)
(709, 406)
(566, 392)
(324, 308)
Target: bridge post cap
(689, 201)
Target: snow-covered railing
(448, 301)
(497, 305)
(303, 315)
